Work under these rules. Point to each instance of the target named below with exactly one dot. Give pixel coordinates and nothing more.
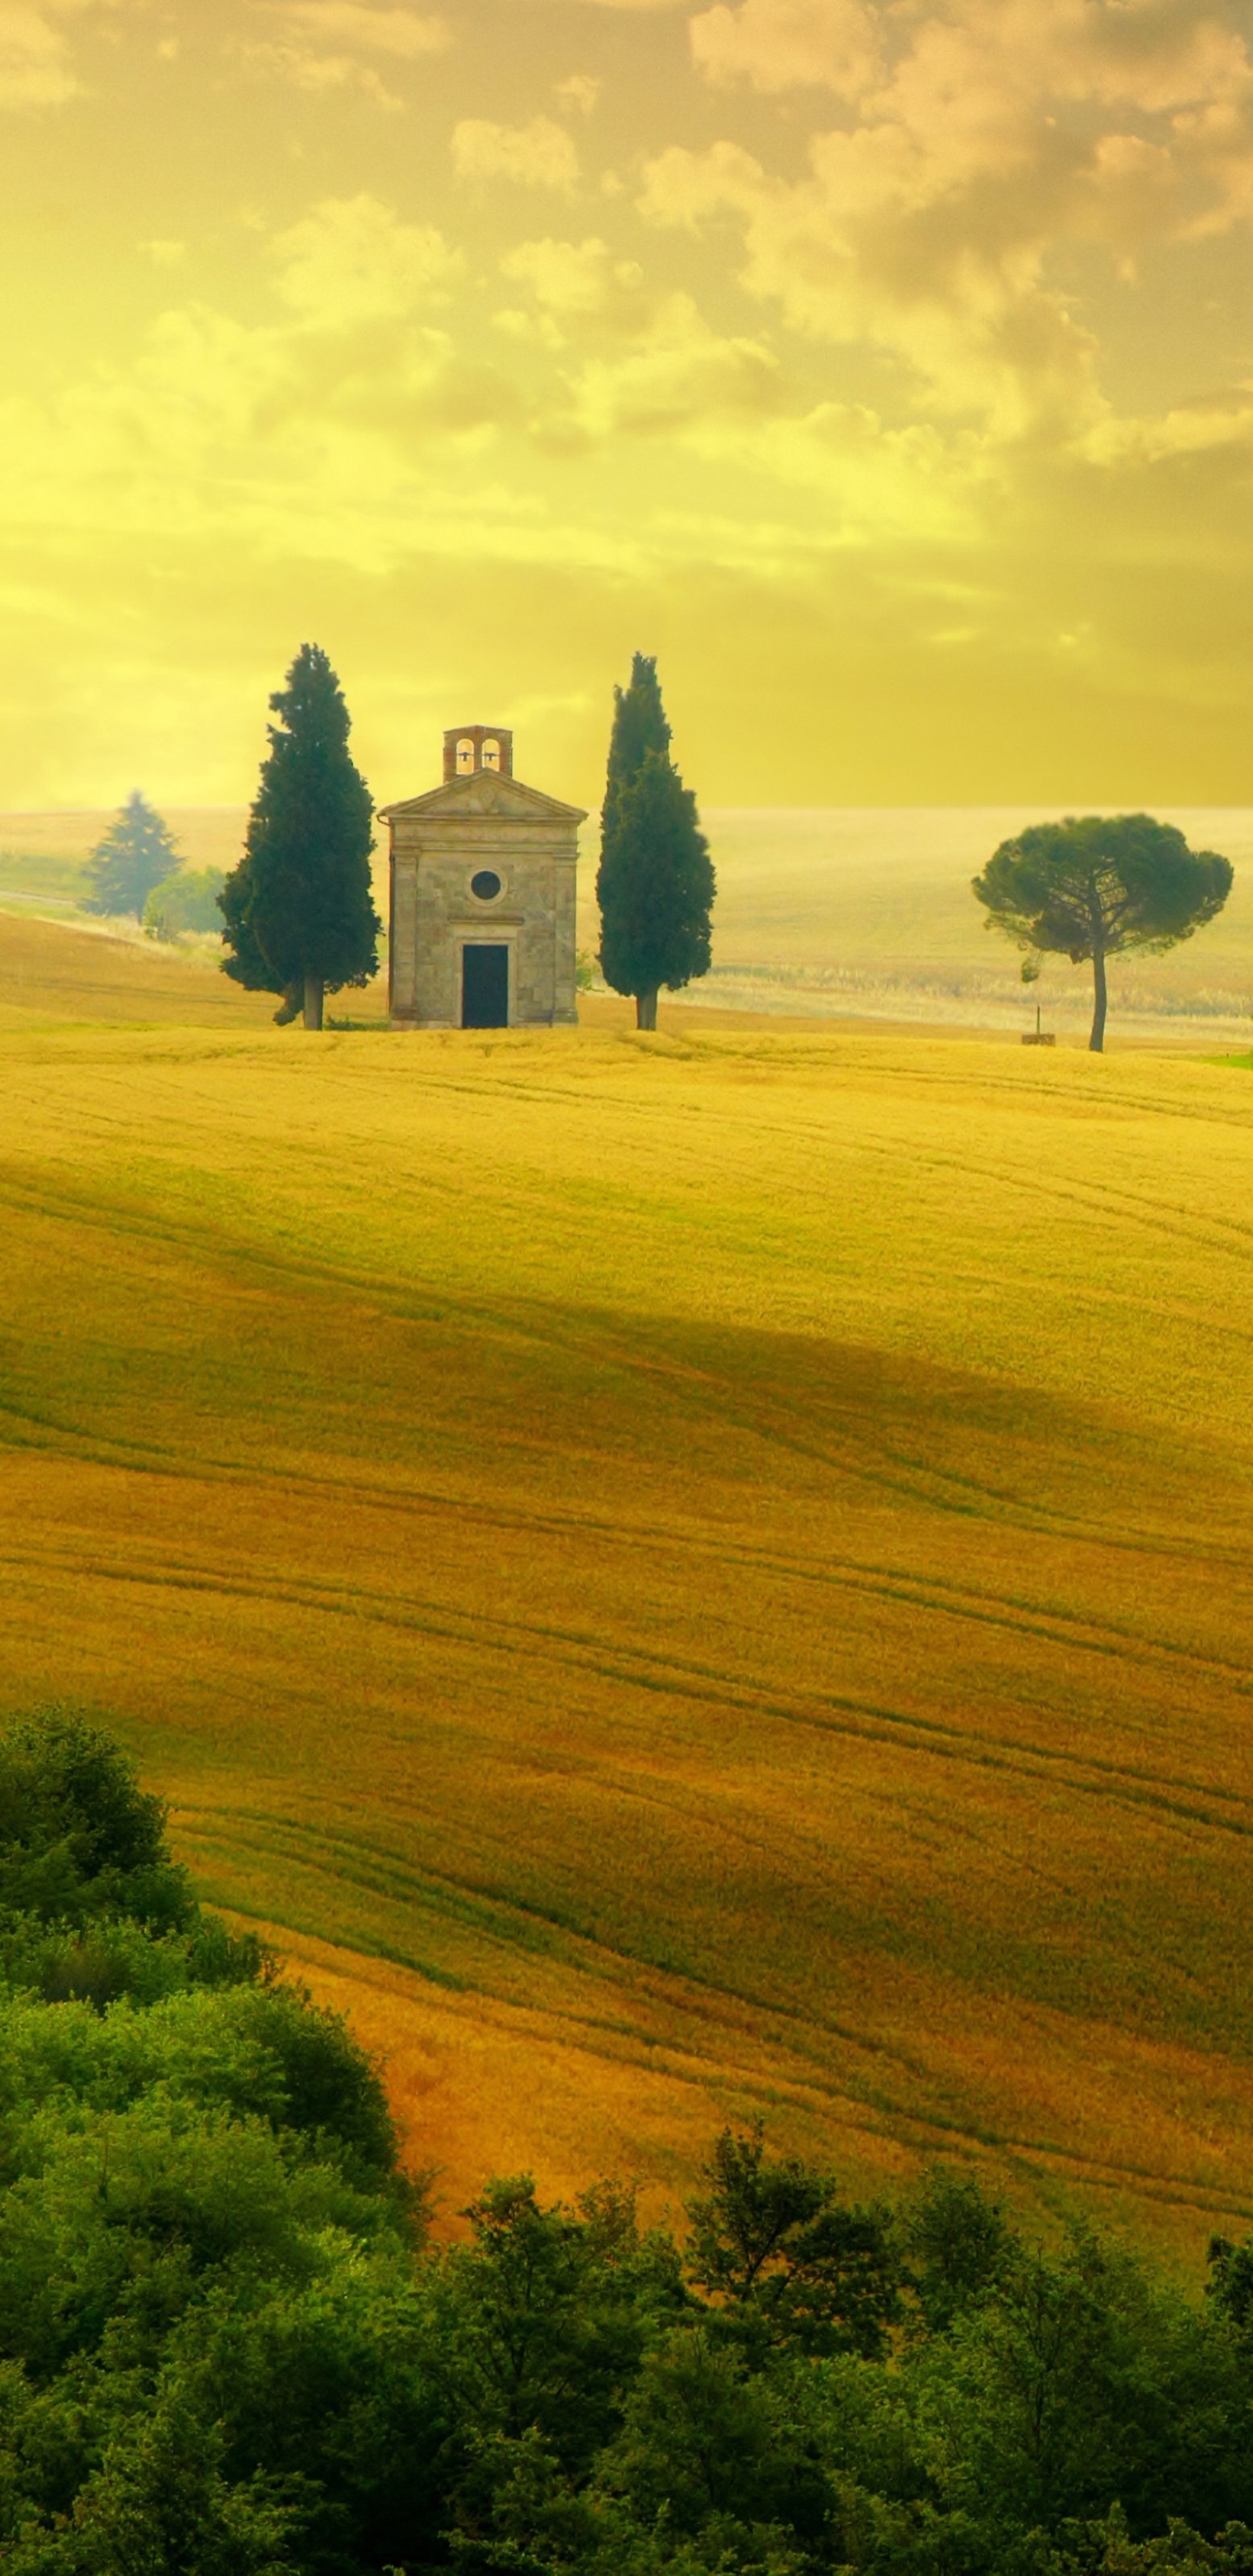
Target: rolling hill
(847, 913)
(673, 1577)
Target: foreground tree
(789, 2262)
(299, 916)
(655, 885)
(1097, 885)
(136, 853)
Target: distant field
(873, 911)
(676, 1576)
(862, 913)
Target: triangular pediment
(505, 799)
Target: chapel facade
(483, 876)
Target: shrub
(188, 900)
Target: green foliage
(188, 900)
(136, 853)
(790, 2263)
(959, 2249)
(640, 725)
(79, 1838)
(298, 907)
(225, 2349)
(1093, 886)
(209, 2358)
(655, 885)
(713, 2448)
(542, 2320)
(1078, 2381)
(91, 1905)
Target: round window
(486, 885)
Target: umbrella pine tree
(1094, 886)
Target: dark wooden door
(485, 987)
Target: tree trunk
(290, 1007)
(646, 1009)
(1096, 1043)
(314, 992)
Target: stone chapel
(483, 870)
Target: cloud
(540, 155)
(576, 282)
(787, 44)
(989, 139)
(645, 364)
(580, 93)
(680, 378)
(321, 46)
(36, 60)
(35, 65)
(402, 34)
(351, 260)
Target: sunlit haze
(885, 369)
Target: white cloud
(786, 44)
(35, 64)
(36, 59)
(579, 280)
(402, 34)
(321, 46)
(648, 364)
(351, 260)
(580, 93)
(679, 379)
(540, 155)
(987, 136)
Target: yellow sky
(885, 366)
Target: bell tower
(471, 748)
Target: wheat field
(672, 1576)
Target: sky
(885, 367)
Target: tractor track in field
(1179, 1799)
(726, 2013)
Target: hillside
(847, 913)
(676, 1576)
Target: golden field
(678, 1575)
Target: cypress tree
(639, 725)
(655, 885)
(299, 916)
(137, 853)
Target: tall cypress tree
(137, 853)
(299, 916)
(655, 885)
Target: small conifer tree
(299, 916)
(656, 884)
(136, 853)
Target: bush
(188, 900)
